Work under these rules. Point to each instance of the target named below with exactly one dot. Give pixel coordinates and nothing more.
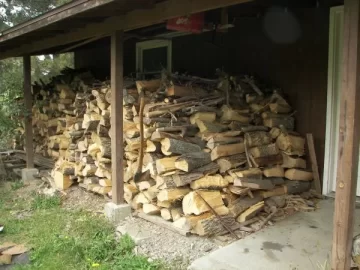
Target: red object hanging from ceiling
(193, 23)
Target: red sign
(193, 23)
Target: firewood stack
(204, 159)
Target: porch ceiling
(83, 20)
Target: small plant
(17, 185)
(45, 202)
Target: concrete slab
(135, 231)
(300, 242)
(117, 213)
(28, 174)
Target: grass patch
(17, 184)
(45, 202)
(64, 239)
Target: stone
(117, 213)
(28, 174)
(138, 234)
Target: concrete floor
(300, 242)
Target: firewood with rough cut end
(250, 172)
(185, 179)
(172, 194)
(241, 204)
(171, 146)
(275, 192)
(62, 181)
(254, 183)
(129, 192)
(227, 150)
(152, 146)
(165, 182)
(190, 161)
(89, 170)
(257, 138)
(229, 115)
(275, 132)
(297, 187)
(172, 213)
(251, 212)
(287, 122)
(276, 171)
(291, 144)
(293, 162)
(144, 185)
(231, 162)
(151, 193)
(65, 92)
(210, 182)
(213, 226)
(210, 168)
(216, 141)
(299, 175)
(165, 165)
(151, 209)
(140, 199)
(203, 116)
(105, 182)
(193, 204)
(101, 190)
(264, 151)
(210, 126)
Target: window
(152, 57)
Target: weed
(45, 202)
(17, 185)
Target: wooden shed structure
(314, 57)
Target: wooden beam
(117, 148)
(348, 155)
(132, 20)
(28, 116)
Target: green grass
(64, 239)
(17, 184)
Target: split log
(229, 115)
(62, 181)
(151, 193)
(216, 141)
(251, 173)
(213, 226)
(251, 212)
(275, 132)
(181, 180)
(190, 161)
(152, 146)
(105, 182)
(172, 194)
(144, 185)
(299, 175)
(89, 170)
(193, 204)
(287, 122)
(184, 91)
(293, 162)
(210, 126)
(151, 209)
(231, 162)
(276, 171)
(241, 204)
(275, 192)
(165, 165)
(267, 160)
(264, 151)
(291, 144)
(165, 182)
(171, 146)
(210, 182)
(297, 187)
(253, 183)
(210, 168)
(203, 116)
(227, 150)
(257, 138)
(129, 192)
(172, 213)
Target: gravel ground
(177, 250)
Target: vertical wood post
(117, 148)
(28, 116)
(348, 154)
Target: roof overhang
(85, 20)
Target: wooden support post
(117, 148)
(348, 155)
(28, 117)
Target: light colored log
(227, 150)
(210, 182)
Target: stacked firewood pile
(210, 154)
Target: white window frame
(152, 44)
